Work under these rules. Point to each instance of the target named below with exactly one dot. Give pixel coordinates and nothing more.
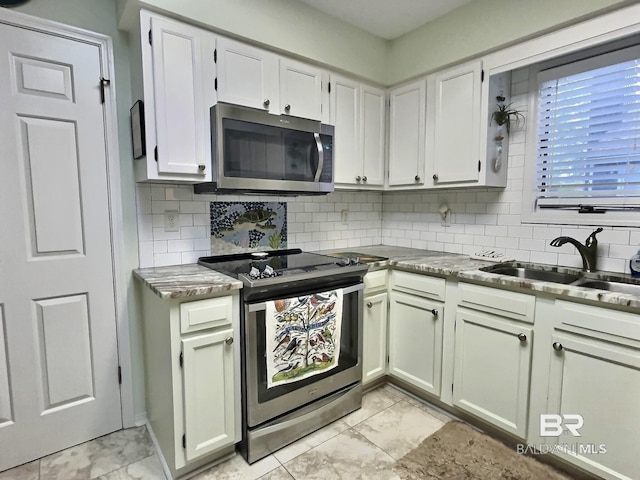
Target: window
(586, 134)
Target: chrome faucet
(588, 251)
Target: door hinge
(215, 84)
(119, 375)
(155, 153)
(184, 441)
(482, 75)
(181, 360)
(387, 359)
(215, 55)
(150, 38)
(452, 388)
(479, 164)
(329, 87)
(104, 82)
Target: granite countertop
(180, 281)
(464, 268)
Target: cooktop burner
(262, 267)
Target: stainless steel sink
(533, 272)
(618, 285)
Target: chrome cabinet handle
(369, 304)
(522, 337)
(434, 312)
(557, 346)
(202, 167)
(358, 178)
(229, 340)
(364, 179)
(417, 178)
(435, 177)
(287, 108)
(266, 103)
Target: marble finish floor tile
(399, 428)
(28, 471)
(373, 402)
(237, 468)
(312, 440)
(400, 395)
(279, 473)
(347, 456)
(146, 469)
(98, 457)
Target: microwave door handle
(320, 157)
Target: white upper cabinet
(358, 114)
(300, 89)
(247, 76)
(407, 135)
(456, 145)
(178, 75)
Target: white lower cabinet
(596, 374)
(192, 378)
(415, 331)
(374, 327)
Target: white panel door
(374, 337)
(457, 125)
(209, 393)
(407, 130)
(181, 106)
(372, 134)
(300, 89)
(247, 76)
(345, 116)
(58, 353)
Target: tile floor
(364, 444)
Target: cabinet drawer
(422, 285)
(375, 281)
(201, 314)
(518, 306)
(597, 319)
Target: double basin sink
(564, 276)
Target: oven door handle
(258, 307)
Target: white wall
(314, 223)
(491, 218)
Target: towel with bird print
(303, 336)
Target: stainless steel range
(301, 343)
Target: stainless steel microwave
(257, 152)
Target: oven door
(264, 404)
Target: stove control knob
(229, 340)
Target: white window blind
(588, 132)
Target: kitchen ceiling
(384, 18)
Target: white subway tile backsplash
(179, 246)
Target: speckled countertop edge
(179, 281)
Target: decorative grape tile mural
(248, 226)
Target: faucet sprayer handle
(591, 239)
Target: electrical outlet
(171, 221)
(344, 216)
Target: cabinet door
(374, 343)
(492, 369)
(300, 89)
(345, 116)
(209, 400)
(181, 106)
(372, 134)
(601, 382)
(415, 341)
(247, 76)
(407, 134)
(457, 125)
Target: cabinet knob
(522, 337)
(435, 177)
(229, 340)
(369, 304)
(434, 312)
(364, 179)
(358, 178)
(287, 108)
(417, 178)
(557, 346)
(266, 103)
(202, 167)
